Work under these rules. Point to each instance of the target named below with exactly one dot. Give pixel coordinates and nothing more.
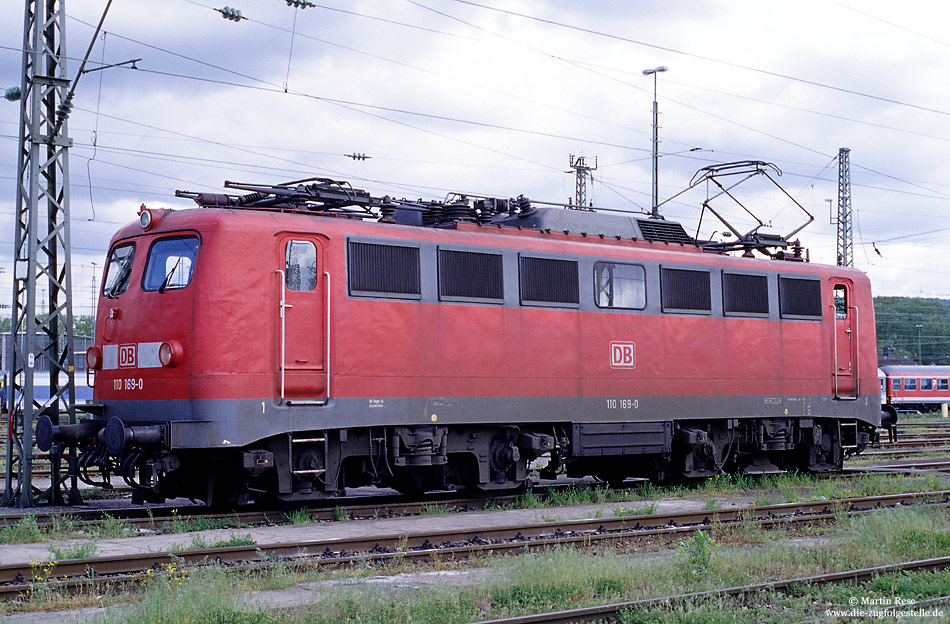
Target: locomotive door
(845, 341)
(302, 316)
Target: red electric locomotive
(298, 339)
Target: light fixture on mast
(655, 213)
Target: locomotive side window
(619, 286)
(799, 297)
(383, 270)
(300, 265)
(170, 263)
(470, 275)
(549, 281)
(927, 384)
(685, 290)
(119, 270)
(896, 384)
(745, 294)
(910, 384)
(841, 302)
(943, 384)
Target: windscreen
(119, 270)
(170, 263)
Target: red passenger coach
(298, 339)
(917, 387)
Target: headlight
(170, 353)
(93, 358)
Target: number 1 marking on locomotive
(262, 407)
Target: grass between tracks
(562, 578)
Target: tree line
(918, 329)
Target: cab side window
(841, 302)
(119, 270)
(300, 265)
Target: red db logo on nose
(623, 355)
(127, 356)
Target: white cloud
(158, 132)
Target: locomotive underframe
(316, 464)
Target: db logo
(623, 355)
(127, 356)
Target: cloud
(493, 103)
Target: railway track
(22, 578)
(612, 612)
(937, 465)
(352, 509)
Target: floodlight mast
(655, 212)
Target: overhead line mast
(42, 338)
(845, 234)
(582, 171)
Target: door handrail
(326, 364)
(852, 348)
(283, 305)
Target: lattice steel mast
(845, 238)
(43, 338)
(582, 171)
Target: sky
(493, 98)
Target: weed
(111, 527)
(25, 530)
(41, 570)
(711, 504)
(766, 499)
(698, 551)
(431, 509)
(528, 500)
(299, 516)
(647, 509)
(648, 490)
(81, 550)
(40, 573)
(188, 525)
(198, 542)
(339, 514)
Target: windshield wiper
(121, 279)
(168, 278)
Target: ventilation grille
(799, 297)
(383, 269)
(683, 289)
(656, 230)
(746, 294)
(471, 275)
(545, 280)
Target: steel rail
(612, 612)
(16, 579)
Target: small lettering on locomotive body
(623, 403)
(128, 384)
